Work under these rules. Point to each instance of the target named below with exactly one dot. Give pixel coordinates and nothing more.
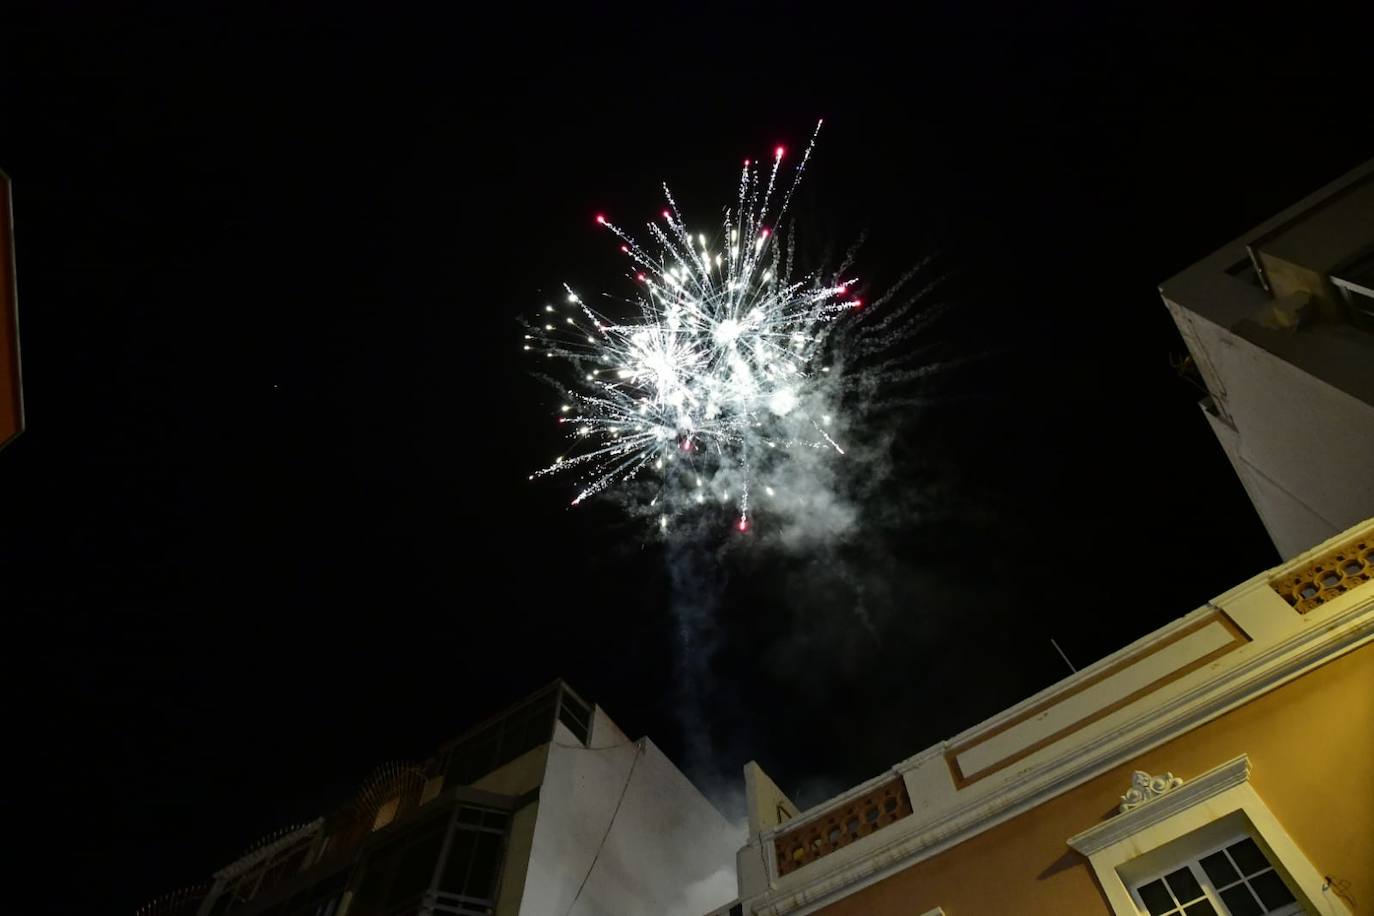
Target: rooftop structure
(1280, 326)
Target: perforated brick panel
(1330, 575)
(835, 829)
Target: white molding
(1140, 648)
(770, 859)
(939, 823)
(1151, 812)
(1079, 704)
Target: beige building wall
(1311, 742)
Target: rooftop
(1294, 284)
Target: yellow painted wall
(1311, 743)
(768, 806)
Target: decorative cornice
(1145, 787)
(1158, 807)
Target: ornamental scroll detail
(1145, 787)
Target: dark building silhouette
(545, 808)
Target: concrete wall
(668, 852)
(1312, 746)
(1289, 521)
(1301, 447)
(1299, 404)
(514, 870)
(518, 776)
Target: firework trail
(728, 383)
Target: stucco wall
(1312, 746)
(513, 870)
(1301, 445)
(668, 853)
(518, 776)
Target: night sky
(270, 525)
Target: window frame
(1187, 822)
(1211, 893)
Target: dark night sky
(269, 525)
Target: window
(397, 875)
(318, 900)
(471, 874)
(1356, 283)
(1205, 846)
(575, 714)
(501, 741)
(517, 731)
(1235, 879)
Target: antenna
(1062, 655)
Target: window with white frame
(1235, 879)
(1205, 846)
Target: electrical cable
(639, 752)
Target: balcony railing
(1330, 575)
(844, 824)
(506, 736)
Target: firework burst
(726, 369)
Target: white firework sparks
(722, 374)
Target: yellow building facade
(1223, 764)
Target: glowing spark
(721, 362)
